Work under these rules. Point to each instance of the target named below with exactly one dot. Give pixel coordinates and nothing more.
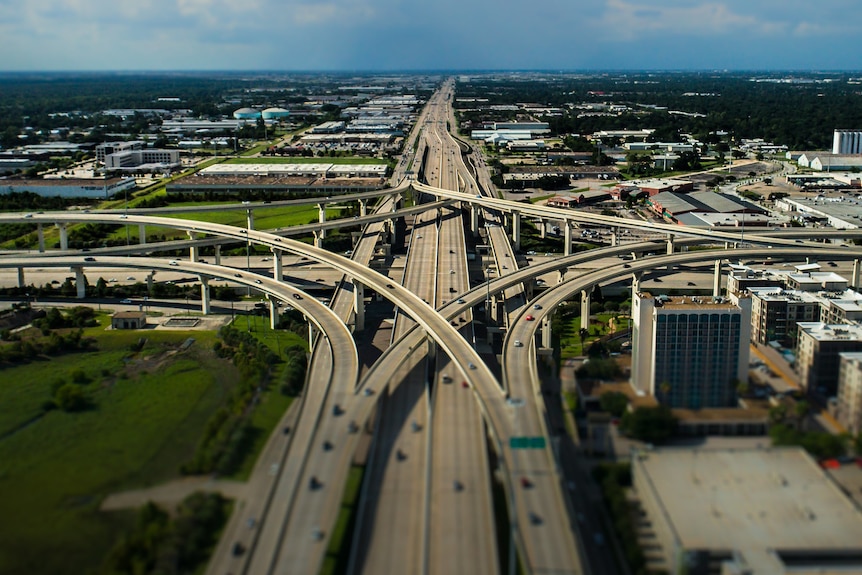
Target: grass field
(147, 415)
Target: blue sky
(433, 34)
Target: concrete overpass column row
(567, 239)
(716, 280)
(516, 230)
(64, 237)
(249, 218)
(21, 277)
(359, 305)
(321, 217)
(80, 281)
(585, 309)
(41, 234)
(142, 234)
(205, 295)
(277, 263)
(546, 332)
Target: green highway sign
(525, 442)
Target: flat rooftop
(750, 500)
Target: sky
(380, 35)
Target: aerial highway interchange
(438, 403)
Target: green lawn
(148, 412)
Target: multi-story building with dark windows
(690, 352)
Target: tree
(71, 398)
(651, 424)
(614, 402)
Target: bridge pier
(567, 239)
(321, 218)
(474, 219)
(194, 251)
(277, 264)
(585, 308)
(516, 230)
(310, 334)
(358, 306)
(562, 275)
(64, 237)
(670, 248)
(80, 282)
(318, 237)
(142, 234)
(543, 229)
(615, 239)
(273, 312)
(21, 283)
(150, 277)
(716, 279)
(249, 218)
(363, 208)
(856, 278)
(205, 295)
(41, 233)
(218, 254)
(636, 283)
(546, 332)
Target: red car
(529, 318)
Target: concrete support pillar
(474, 219)
(716, 280)
(562, 275)
(277, 264)
(318, 237)
(205, 295)
(80, 281)
(505, 221)
(359, 305)
(585, 309)
(194, 251)
(273, 312)
(546, 332)
(543, 229)
(670, 239)
(363, 208)
(636, 283)
(150, 277)
(321, 217)
(21, 277)
(249, 218)
(218, 254)
(310, 334)
(516, 230)
(142, 234)
(64, 237)
(615, 239)
(857, 274)
(567, 239)
(41, 234)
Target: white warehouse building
(847, 142)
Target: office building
(143, 160)
(743, 512)
(849, 398)
(818, 349)
(690, 352)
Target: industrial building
(673, 205)
(847, 142)
(743, 512)
(70, 188)
(840, 211)
(690, 352)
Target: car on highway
(297, 296)
(536, 306)
(458, 486)
(465, 385)
(336, 410)
(317, 534)
(352, 427)
(471, 365)
(258, 282)
(313, 483)
(414, 425)
(446, 379)
(126, 301)
(529, 318)
(534, 518)
(518, 343)
(89, 259)
(368, 391)
(237, 549)
(237, 275)
(390, 286)
(327, 445)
